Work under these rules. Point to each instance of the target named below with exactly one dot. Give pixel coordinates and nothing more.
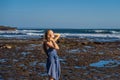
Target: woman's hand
(52, 44)
(56, 34)
(51, 39)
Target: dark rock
(7, 28)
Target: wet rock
(27, 60)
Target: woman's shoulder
(46, 42)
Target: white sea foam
(92, 35)
(34, 34)
(23, 31)
(69, 35)
(32, 30)
(99, 31)
(115, 32)
(112, 34)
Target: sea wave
(108, 31)
(34, 34)
(95, 37)
(100, 31)
(115, 32)
(32, 30)
(90, 34)
(20, 32)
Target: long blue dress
(53, 64)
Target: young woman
(50, 47)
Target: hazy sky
(60, 13)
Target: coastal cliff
(7, 28)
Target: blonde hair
(47, 34)
(46, 37)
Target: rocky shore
(8, 28)
(80, 59)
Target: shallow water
(88, 47)
(101, 52)
(118, 48)
(62, 60)
(42, 64)
(42, 74)
(73, 51)
(80, 67)
(32, 46)
(105, 63)
(15, 60)
(25, 53)
(33, 63)
(2, 60)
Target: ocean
(101, 35)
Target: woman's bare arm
(52, 44)
(57, 36)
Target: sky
(82, 14)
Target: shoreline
(79, 58)
(108, 35)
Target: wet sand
(80, 59)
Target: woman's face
(51, 34)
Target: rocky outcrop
(7, 28)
